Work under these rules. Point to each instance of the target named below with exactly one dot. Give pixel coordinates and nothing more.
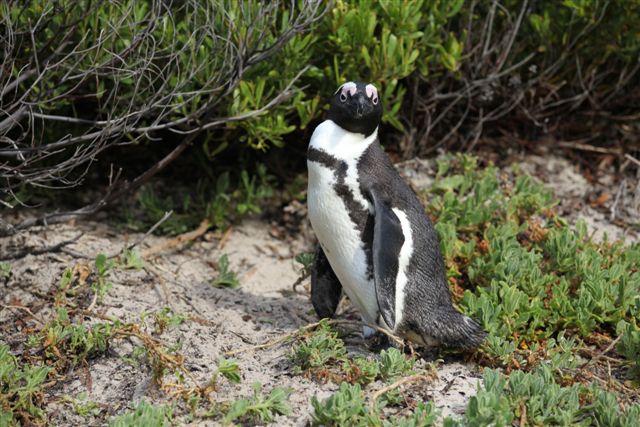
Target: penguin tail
(454, 329)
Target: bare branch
(142, 73)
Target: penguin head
(356, 107)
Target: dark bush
(79, 77)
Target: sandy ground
(262, 309)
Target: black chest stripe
(359, 216)
(323, 158)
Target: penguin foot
(379, 342)
(368, 332)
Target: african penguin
(376, 242)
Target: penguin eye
(349, 88)
(375, 100)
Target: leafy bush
(528, 275)
(361, 370)
(259, 407)
(323, 355)
(226, 278)
(221, 199)
(321, 347)
(535, 398)
(344, 407)
(5, 270)
(144, 414)
(447, 71)
(384, 42)
(66, 342)
(324, 349)
(21, 389)
(629, 346)
(162, 68)
(394, 364)
(347, 407)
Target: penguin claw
(368, 332)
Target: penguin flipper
(387, 243)
(325, 286)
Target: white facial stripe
(371, 91)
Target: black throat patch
(362, 220)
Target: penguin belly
(340, 240)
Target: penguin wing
(325, 286)
(387, 242)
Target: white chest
(330, 218)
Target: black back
(428, 309)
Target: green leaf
(226, 277)
(229, 369)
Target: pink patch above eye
(349, 88)
(371, 91)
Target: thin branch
(586, 147)
(602, 353)
(156, 82)
(155, 226)
(614, 207)
(26, 310)
(632, 159)
(406, 380)
(310, 327)
(179, 240)
(39, 251)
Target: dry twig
(400, 382)
(26, 310)
(39, 251)
(602, 353)
(632, 159)
(177, 241)
(312, 326)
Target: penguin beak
(362, 105)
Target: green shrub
(226, 278)
(393, 364)
(537, 399)
(344, 407)
(384, 42)
(5, 270)
(162, 68)
(167, 67)
(318, 349)
(347, 407)
(528, 275)
(21, 390)
(629, 346)
(221, 199)
(361, 370)
(259, 407)
(144, 415)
